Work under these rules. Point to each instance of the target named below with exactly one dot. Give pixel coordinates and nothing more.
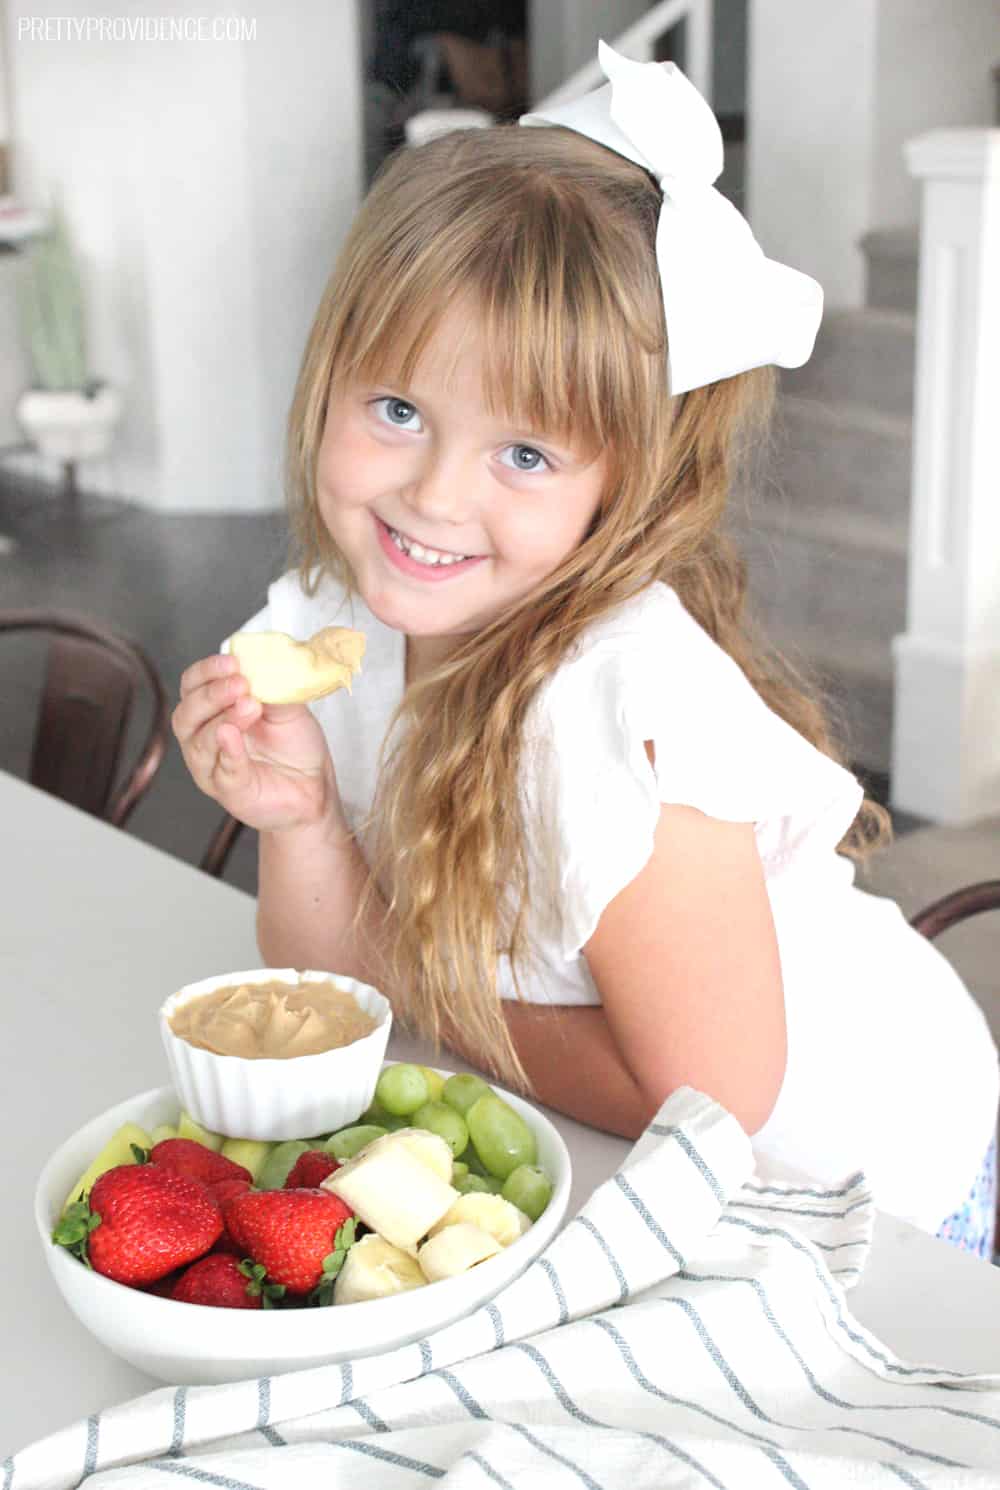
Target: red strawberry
(225, 1283)
(224, 1191)
(292, 1232)
(188, 1157)
(310, 1170)
(221, 1194)
(141, 1222)
(163, 1287)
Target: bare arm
(311, 881)
(686, 962)
(685, 959)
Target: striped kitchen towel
(687, 1328)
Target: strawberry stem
(343, 1240)
(258, 1284)
(73, 1229)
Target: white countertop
(96, 928)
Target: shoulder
(648, 672)
(647, 654)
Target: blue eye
(527, 458)
(397, 411)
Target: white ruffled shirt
(891, 1066)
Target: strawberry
(300, 1236)
(310, 1170)
(224, 1191)
(163, 1287)
(221, 1194)
(188, 1157)
(141, 1222)
(225, 1283)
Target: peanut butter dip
(271, 1021)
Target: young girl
(572, 820)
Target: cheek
(544, 534)
(346, 468)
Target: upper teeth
(420, 553)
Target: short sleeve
(591, 797)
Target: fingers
(214, 710)
(231, 768)
(220, 665)
(207, 689)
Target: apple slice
(117, 1150)
(188, 1128)
(250, 1152)
(281, 670)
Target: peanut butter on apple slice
(281, 670)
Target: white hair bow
(728, 308)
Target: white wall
(811, 78)
(932, 71)
(208, 184)
(834, 91)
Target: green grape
(501, 1137)
(458, 1171)
(476, 1183)
(472, 1161)
(276, 1167)
(462, 1090)
(350, 1141)
(381, 1118)
(401, 1089)
(529, 1188)
(439, 1118)
(435, 1081)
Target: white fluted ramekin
(297, 1097)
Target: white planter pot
(69, 425)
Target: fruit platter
(200, 1256)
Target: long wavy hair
(552, 238)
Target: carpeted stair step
(864, 357)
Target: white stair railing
(946, 731)
(639, 43)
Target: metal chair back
(93, 679)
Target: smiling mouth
(421, 553)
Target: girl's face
(445, 514)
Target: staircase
(826, 531)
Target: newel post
(946, 734)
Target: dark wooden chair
(216, 856)
(972, 900)
(941, 915)
(93, 678)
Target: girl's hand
(266, 764)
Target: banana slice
(491, 1213)
(430, 1148)
(281, 670)
(393, 1191)
(455, 1249)
(375, 1269)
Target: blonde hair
(552, 236)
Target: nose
(442, 489)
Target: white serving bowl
(185, 1343)
(274, 1099)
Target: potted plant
(67, 414)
